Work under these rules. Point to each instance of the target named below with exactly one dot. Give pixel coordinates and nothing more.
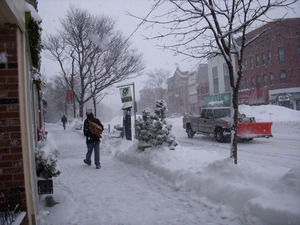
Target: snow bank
(284, 120)
(240, 187)
(280, 207)
(257, 195)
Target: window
(280, 54)
(252, 82)
(245, 63)
(221, 113)
(282, 76)
(215, 80)
(209, 114)
(226, 77)
(257, 60)
(251, 62)
(265, 80)
(202, 91)
(246, 83)
(203, 113)
(263, 58)
(269, 56)
(257, 80)
(241, 84)
(271, 79)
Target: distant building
(202, 86)
(272, 65)
(192, 92)
(218, 75)
(177, 93)
(202, 92)
(219, 82)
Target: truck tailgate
(253, 130)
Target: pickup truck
(216, 121)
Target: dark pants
(90, 147)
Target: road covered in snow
(195, 184)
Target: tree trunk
(95, 105)
(234, 125)
(74, 106)
(81, 104)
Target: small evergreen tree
(154, 128)
(46, 160)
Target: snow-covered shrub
(153, 128)
(46, 160)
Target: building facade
(20, 119)
(219, 82)
(218, 75)
(192, 92)
(271, 67)
(202, 87)
(177, 93)
(271, 70)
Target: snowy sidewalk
(118, 193)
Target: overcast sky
(51, 10)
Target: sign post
(127, 96)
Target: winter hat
(89, 111)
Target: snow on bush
(153, 128)
(46, 160)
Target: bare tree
(207, 28)
(92, 55)
(158, 81)
(56, 99)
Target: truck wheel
(219, 135)
(190, 132)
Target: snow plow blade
(254, 130)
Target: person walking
(92, 140)
(64, 121)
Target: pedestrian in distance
(64, 121)
(92, 140)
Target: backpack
(95, 129)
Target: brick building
(20, 118)
(272, 65)
(177, 93)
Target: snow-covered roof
(33, 12)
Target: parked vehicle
(216, 121)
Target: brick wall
(11, 163)
(283, 34)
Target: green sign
(223, 99)
(126, 95)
